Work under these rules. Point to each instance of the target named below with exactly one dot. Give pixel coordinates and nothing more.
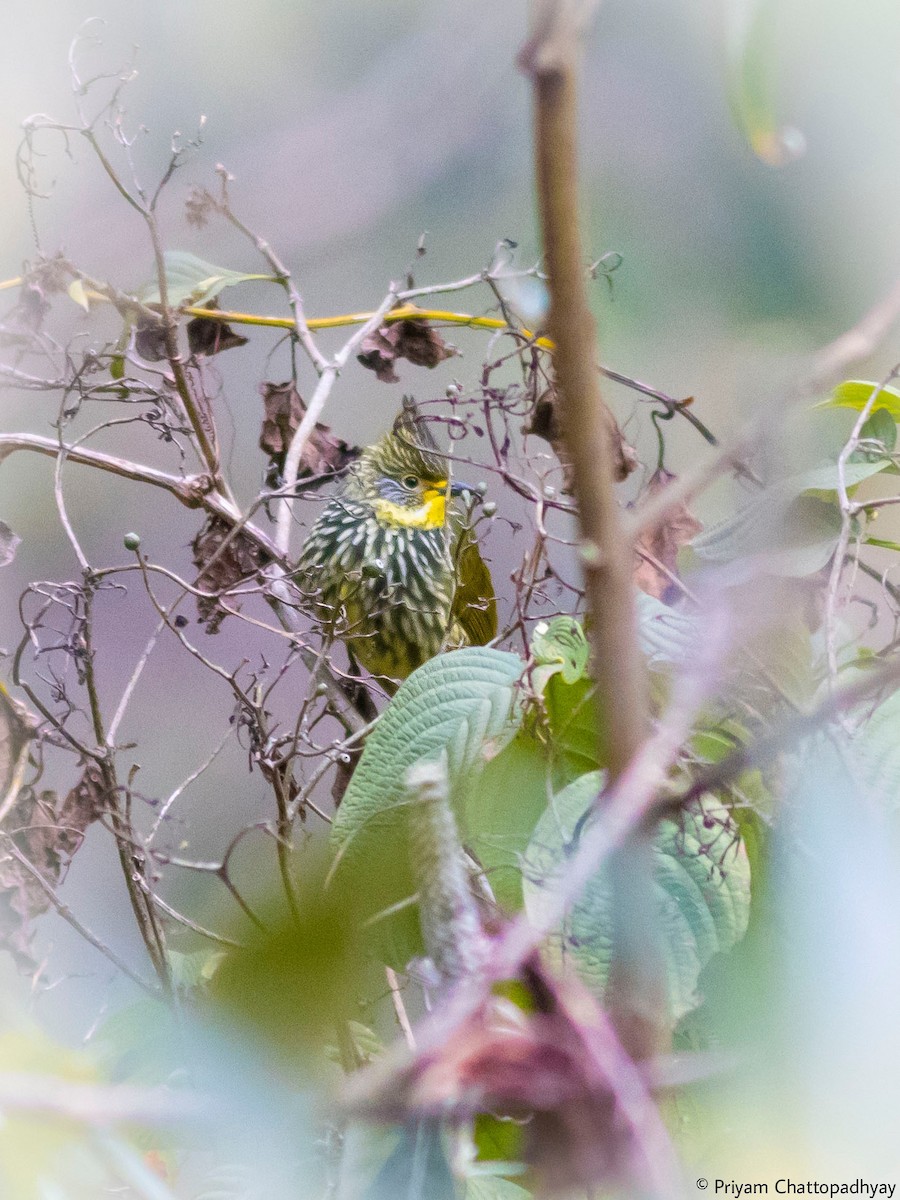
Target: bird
(392, 565)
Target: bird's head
(404, 477)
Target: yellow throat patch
(430, 514)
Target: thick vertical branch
(550, 59)
(636, 994)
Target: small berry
(489, 508)
(132, 541)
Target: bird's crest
(410, 446)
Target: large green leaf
(192, 281)
(465, 704)
(501, 810)
(702, 891)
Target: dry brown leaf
(412, 339)
(283, 411)
(659, 547)
(47, 832)
(224, 559)
(545, 423)
(206, 337)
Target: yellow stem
(401, 313)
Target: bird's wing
(474, 605)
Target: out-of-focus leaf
(667, 635)
(413, 339)
(702, 891)
(751, 64)
(417, 1169)
(494, 1187)
(787, 529)
(546, 1059)
(291, 985)
(856, 393)
(464, 704)
(77, 293)
(39, 1155)
(558, 645)
(662, 543)
(191, 281)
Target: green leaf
(881, 428)
(574, 721)
(856, 393)
(558, 646)
(502, 809)
(191, 281)
(465, 704)
(702, 891)
(883, 543)
(752, 86)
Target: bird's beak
(458, 488)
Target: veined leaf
(558, 646)
(464, 704)
(191, 281)
(702, 891)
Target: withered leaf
(225, 559)
(545, 423)
(47, 832)
(150, 341)
(412, 339)
(9, 543)
(207, 337)
(283, 411)
(658, 548)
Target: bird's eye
(410, 481)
